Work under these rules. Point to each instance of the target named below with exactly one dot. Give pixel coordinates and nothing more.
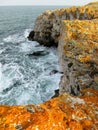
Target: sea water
(24, 78)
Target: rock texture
(78, 54)
(48, 24)
(63, 113)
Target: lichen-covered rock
(48, 24)
(78, 54)
(95, 6)
(63, 113)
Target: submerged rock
(48, 25)
(78, 55)
(61, 113)
(55, 72)
(39, 53)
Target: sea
(25, 78)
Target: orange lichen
(81, 40)
(62, 113)
(84, 58)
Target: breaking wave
(25, 71)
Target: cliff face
(47, 25)
(78, 54)
(63, 113)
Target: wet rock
(31, 36)
(56, 93)
(55, 71)
(39, 53)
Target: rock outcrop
(78, 54)
(63, 113)
(48, 24)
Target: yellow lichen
(81, 40)
(84, 58)
(62, 113)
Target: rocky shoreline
(47, 26)
(75, 31)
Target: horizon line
(41, 5)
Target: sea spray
(24, 77)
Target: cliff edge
(48, 24)
(78, 56)
(62, 113)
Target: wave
(16, 38)
(2, 50)
(28, 46)
(25, 77)
(4, 81)
(26, 32)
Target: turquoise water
(24, 78)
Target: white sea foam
(1, 43)
(27, 47)
(16, 38)
(4, 81)
(0, 71)
(26, 78)
(26, 32)
(2, 50)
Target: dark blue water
(24, 78)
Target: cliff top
(94, 5)
(89, 8)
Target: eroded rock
(78, 55)
(48, 25)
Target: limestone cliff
(63, 113)
(78, 54)
(48, 24)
